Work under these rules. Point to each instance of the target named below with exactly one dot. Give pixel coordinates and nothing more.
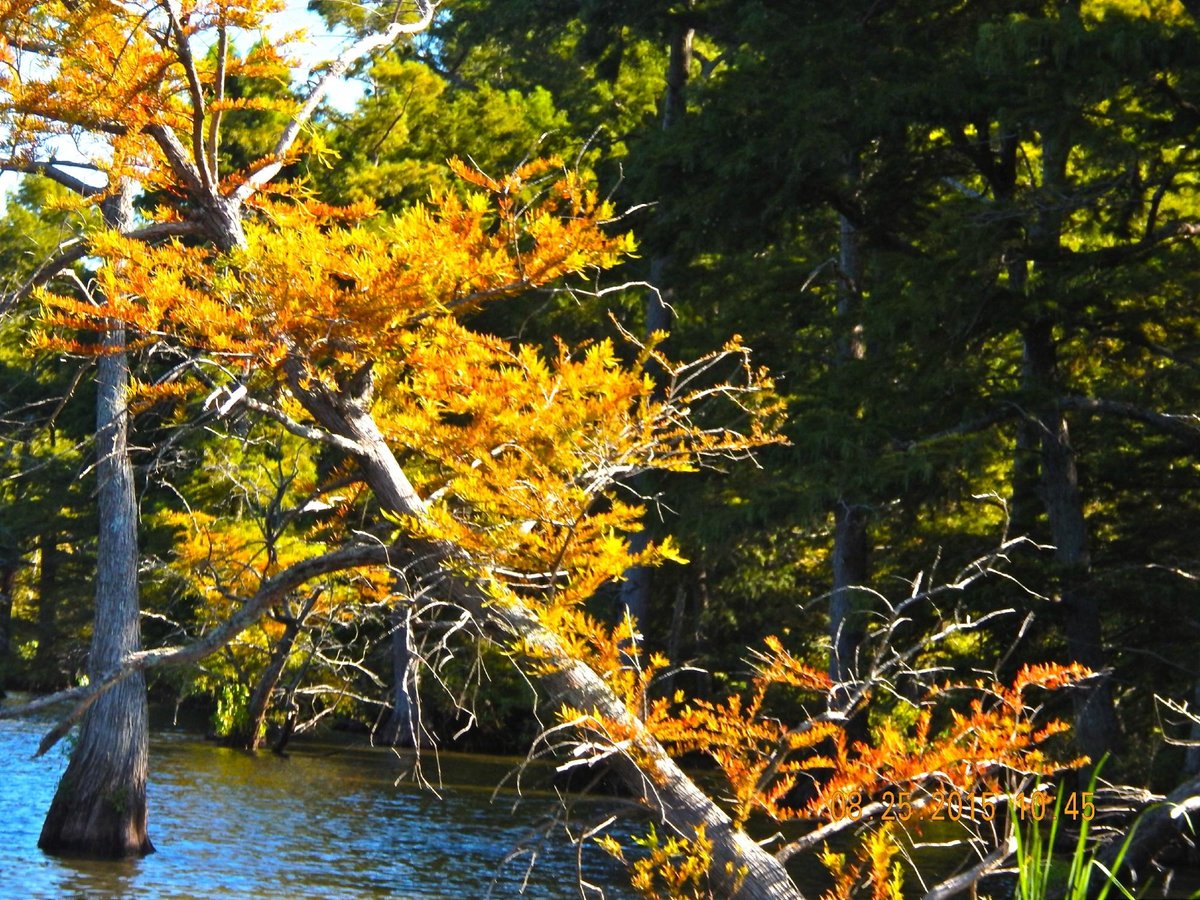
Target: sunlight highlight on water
(325, 821)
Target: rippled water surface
(325, 821)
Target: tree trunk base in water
(99, 809)
(106, 831)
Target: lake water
(325, 821)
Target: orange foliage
(115, 70)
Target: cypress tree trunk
(8, 574)
(99, 808)
(47, 616)
(635, 588)
(1096, 725)
(400, 728)
(851, 540)
(850, 558)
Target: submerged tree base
(99, 809)
(97, 832)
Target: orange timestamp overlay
(952, 805)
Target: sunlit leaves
(116, 73)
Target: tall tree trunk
(851, 539)
(1191, 765)
(8, 575)
(46, 628)
(646, 768)
(400, 729)
(99, 808)
(1096, 725)
(850, 558)
(635, 588)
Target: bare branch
(964, 881)
(299, 428)
(52, 169)
(270, 593)
(331, 75)
(1185, 427)
(74, 249)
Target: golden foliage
(115, 70)
(675, 869)
(875, 867)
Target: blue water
(325, 821)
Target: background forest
(964, 238)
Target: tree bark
(1096, 725)
(8, 574)
(400, 729)
(851, 539)
(255, 732)
(1191, 763)
(1157, 827)
(99, 808)
(850, 559)
(635, 587)
(47, 616)
(645, 766)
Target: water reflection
(326, 821)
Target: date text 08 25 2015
(958, 806)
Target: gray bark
(1157, 826)
(100, 805)
(850, 559)
(47, 616)
(851, 539)
(400, 729)
(1096, 726)
(646, 768)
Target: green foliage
(230, 716)
(394, 146)
(1086, 878)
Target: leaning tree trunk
(99, 808)
(255, 731)
(644, 766)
